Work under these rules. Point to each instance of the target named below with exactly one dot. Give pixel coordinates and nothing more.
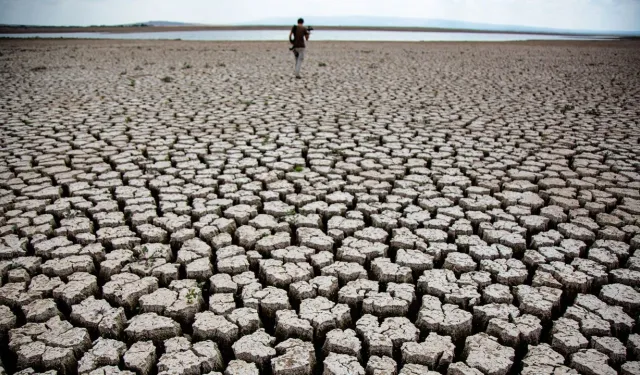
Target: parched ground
(189, 208)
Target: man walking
(298, 35)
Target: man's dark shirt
(299, 33)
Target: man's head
(300, 21)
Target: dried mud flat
(189, 208)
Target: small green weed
(145, 254)
(593, 112)
(70, 214)
(298, 168)
(191, 296)
(566, 108)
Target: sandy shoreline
(154, 29)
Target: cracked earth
(189, 208)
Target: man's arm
(306, 34)
(291, 35)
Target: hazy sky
(566, 14)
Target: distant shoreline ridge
(24, 29)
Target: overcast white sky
(565, 14)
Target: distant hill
(346, 21)
(166, 23)
(427, 23)
(137, 24)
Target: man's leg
(299, 60)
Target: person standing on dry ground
(298, 36)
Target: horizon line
(503, 28)
(270, 23)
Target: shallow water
(328, 35)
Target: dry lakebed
(172, 207)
